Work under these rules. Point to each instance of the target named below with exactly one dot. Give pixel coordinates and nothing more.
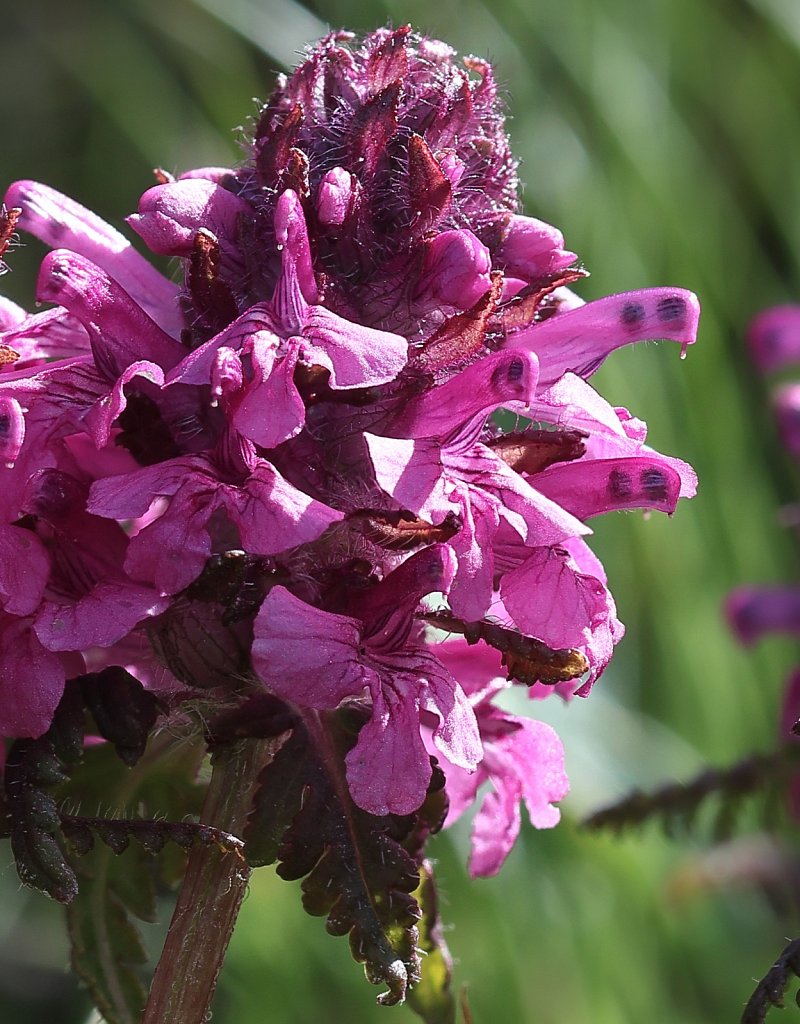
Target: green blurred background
(663, 139)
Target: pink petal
(526, 762)
(270, 409)
(494, 831)
(197, 366)
(54, 334)
(476, 667)
(388, 770)
(31, 683)
(537, 519)
(456, 735)
(307, 655)
(102, 416)
(120, 331)
(272, 515)
(357, 356)
(170, 215)
(60, 222)
(171, 551)
(104, 616)
(549, 599)
(12, 430)
(130, 495)
(588, 488)
(578, 340)
(10, 313)
(24, 570)
(471, 592)
(774, 338)
(411, 472)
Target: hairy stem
(210, 897)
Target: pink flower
(378, 654)
(522, 759)
(314, 405)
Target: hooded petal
(587, 488)
(120, 331)
(456, 270)
(297, 285)
(60, 222)
(578, 340)
(755, 611)
(533, 249)
(170, 215)
(446, 411)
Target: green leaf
(356, 870)
(107, 951)
(432, 999)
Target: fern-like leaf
(772, 987)
(356, 868)
(678, 804)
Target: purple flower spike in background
(282, 480)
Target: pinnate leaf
(360, 871)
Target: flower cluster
(286, 470)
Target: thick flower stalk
(275, 476)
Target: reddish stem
(212, 892)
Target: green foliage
(119, 880)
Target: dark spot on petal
(516, 370)
(671, 310)
(771, 339)
(620, 486)
(5, 424)
(632, 315)
(654, 484)
(508, 373)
